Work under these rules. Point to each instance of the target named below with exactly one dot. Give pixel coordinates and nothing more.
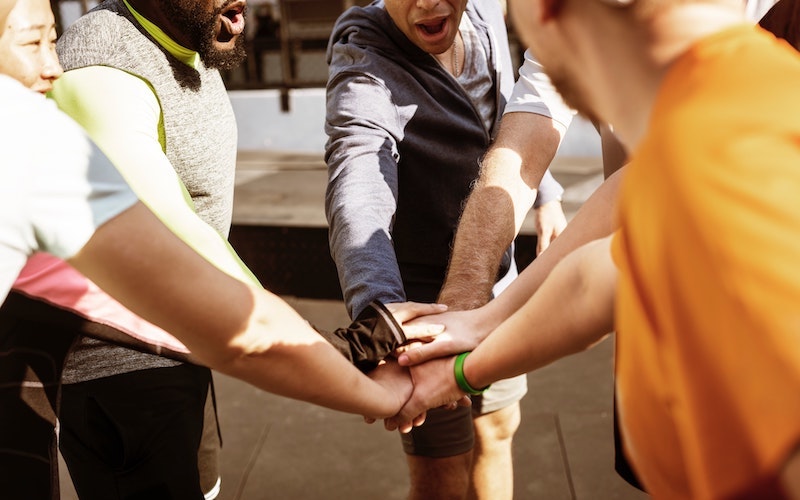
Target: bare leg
(492, 468)
(439, 478)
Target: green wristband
(461, 380)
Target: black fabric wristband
(370, 338)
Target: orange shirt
(708, 306)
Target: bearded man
(142, 77)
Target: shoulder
(102, 31)
(63, 186)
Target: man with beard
(58, 191)
(142, 77)
(707, 345)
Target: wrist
(461, 379)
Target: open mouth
(432, 27)
(231, 22)
(433, 30)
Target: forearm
(510, 174)
(203, 239)
(127, 130)
(573, 309)
(360, 205)
(230, 326)
(282, 354)
(595, 219)
(486, 229)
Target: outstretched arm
(235, 328)
(504, 193)
(572, 310)
(464, 330)
(121, 113)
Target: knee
(498, 426)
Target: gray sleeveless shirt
(200, 141)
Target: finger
(419, 420)
(369, 420)
(424, 352)
(544, 239)
(423, 331)
(541, 245)
(411, 310)
(390, 424)
(464, 401)
(406, 427)
(397, 423)
(412, 343)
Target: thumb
(541, 244)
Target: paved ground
(275, 448)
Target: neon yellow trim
(97, 97)
(186, 56)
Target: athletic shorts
(137, 434)
(447, 433)
(31, 362)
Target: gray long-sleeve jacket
(404, 142)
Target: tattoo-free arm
(465, 329)
(573, 309)
(238, 329)
(493, 215)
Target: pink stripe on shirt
(53, 280)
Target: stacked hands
(421, 372)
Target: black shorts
(31, 363)
(35, 339)
(136, 435)
(448, 433)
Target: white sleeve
(534, 93)
(86, 190)
(56, 187)
(755, 9)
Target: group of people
(435, 156)
(137, 418)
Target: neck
(453, 58)
(628, 84)
(151, 10)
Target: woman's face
(28, 45)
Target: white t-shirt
(755, 9)
(534, 93)
(56, 187)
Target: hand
(404, 312)
(462, 333)
(434, 386)
(550, 222)
(397, 382)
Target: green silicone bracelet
(461, 380)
